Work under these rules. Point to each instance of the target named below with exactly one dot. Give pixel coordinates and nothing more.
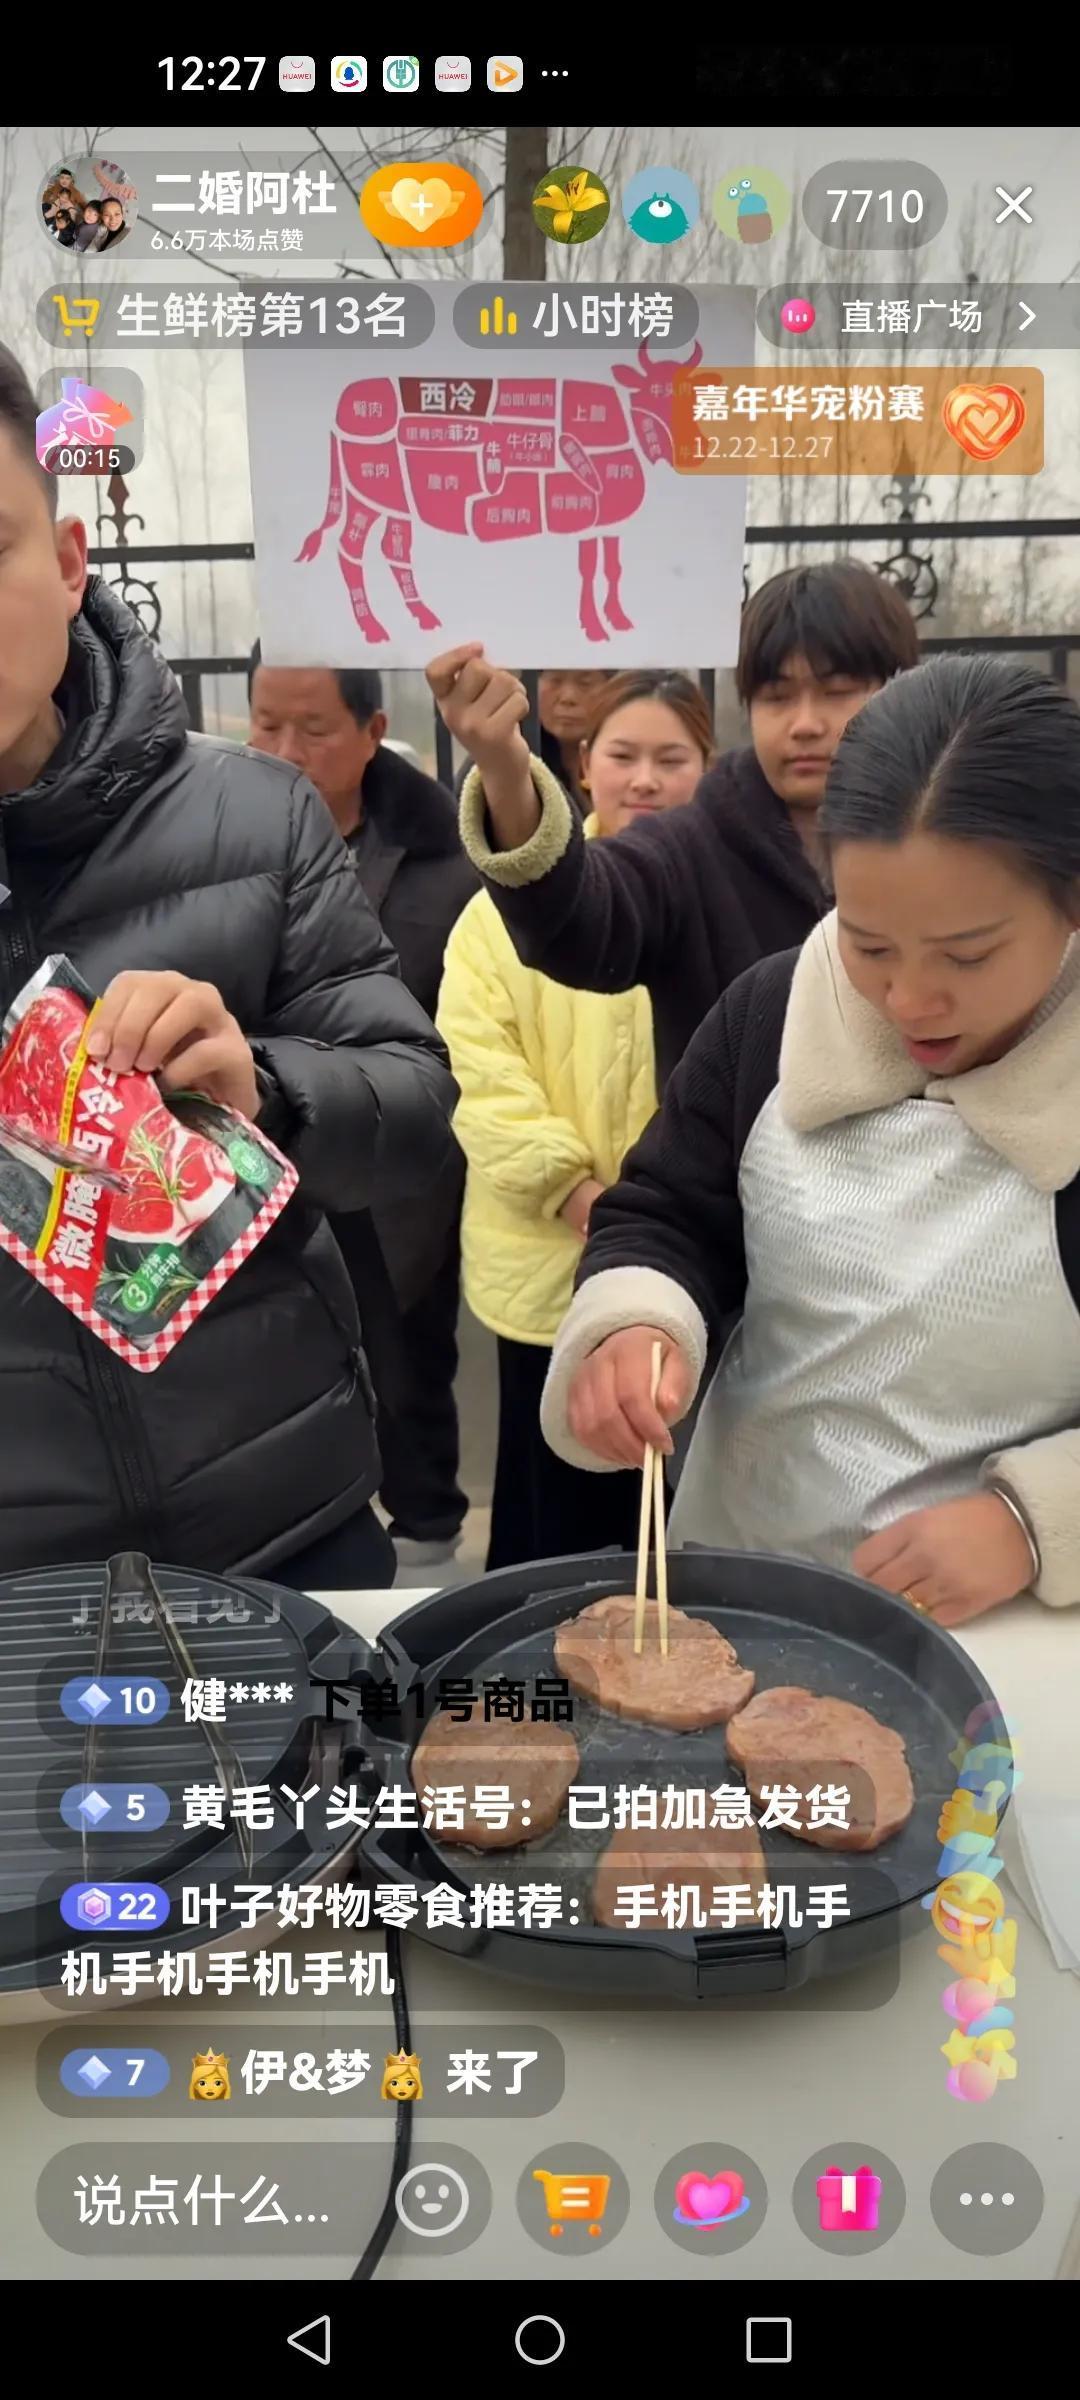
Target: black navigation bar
(283, 2336)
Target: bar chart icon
(498, 319)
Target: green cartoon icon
(752, 219)
(751, 206)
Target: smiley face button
(444, 2200)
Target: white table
(643, 2083)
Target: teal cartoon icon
(659, 220)
(661, 204)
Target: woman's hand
(181, 1031)
(577, 1210)
(484, 708)
(954, 1562)
(610, 1407)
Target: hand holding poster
(503, 490)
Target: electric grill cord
(403, 2125)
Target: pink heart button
(708, 2198)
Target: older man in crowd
(401, 828)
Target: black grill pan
(793, 1623)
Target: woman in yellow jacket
(556, 1086)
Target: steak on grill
(536, 1762)
(699, 1683)
(797, 1738)
(699, 1857)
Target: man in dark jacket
(206, 895)
(686, 901)
(401, 828)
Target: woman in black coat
(871, 1151)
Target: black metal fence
(908, 559)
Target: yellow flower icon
(580, 206)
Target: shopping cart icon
(574, 2200)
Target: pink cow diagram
(496, 460)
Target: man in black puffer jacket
(214, 885)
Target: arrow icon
(318, 2350)
(1027, 315)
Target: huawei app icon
(453, 74)
(296, 74)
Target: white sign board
(517, 493)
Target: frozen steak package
(131, 1209)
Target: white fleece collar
(839, 1058)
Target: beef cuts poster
(503, 474)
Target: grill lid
(82, 1623)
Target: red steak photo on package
(131, 1209)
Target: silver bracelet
(1015, 1510)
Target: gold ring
(920, 1605)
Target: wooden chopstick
(644, 1528)
(660, 1539)
(652, 1518)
